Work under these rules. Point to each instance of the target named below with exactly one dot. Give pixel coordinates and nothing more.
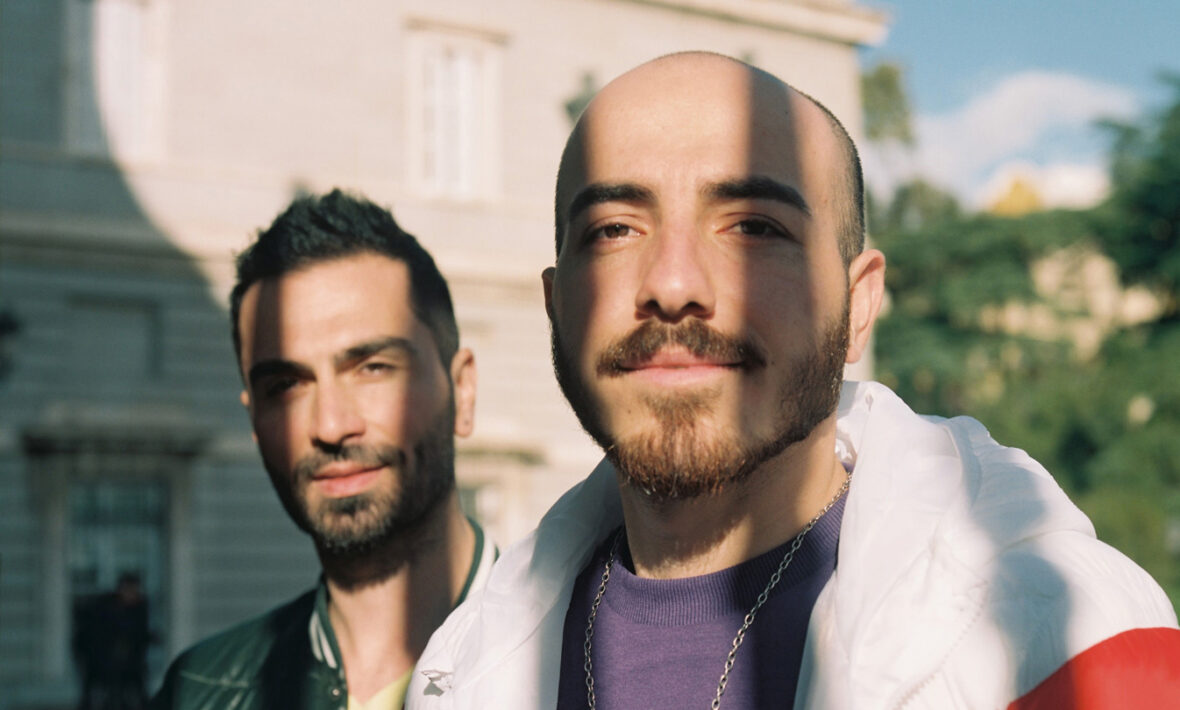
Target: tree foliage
(1142, 230)
(886, 104)
(915, 205)
(1104, 421)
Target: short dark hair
(314, 229)
(852, 218)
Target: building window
(115, 527)
(454, 114)
(114, 77)
(109, 486)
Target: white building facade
(143, 141)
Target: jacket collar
(912, 574)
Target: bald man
(762, 534)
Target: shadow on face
(352, 409)
(699, 206)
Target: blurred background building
(143, 141)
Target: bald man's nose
(675, 279)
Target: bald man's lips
(345, 478)
(678, 367)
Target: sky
(1003, 88)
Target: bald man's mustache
(701, 341)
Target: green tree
(1142, 230)
(918, 204)
(886, 105)
(1104, 424)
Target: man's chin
(344, 541)
(680, 464)
(349, 525)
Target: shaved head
(691, 80)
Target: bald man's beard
(680, 458)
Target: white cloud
(1074, 185)
(1038, 118)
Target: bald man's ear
(866, 292)
(547, 285)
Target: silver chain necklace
(741, 633)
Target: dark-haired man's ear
(463, 379)
(866, 291)
(244, 398)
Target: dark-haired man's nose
(335, 417)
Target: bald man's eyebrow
(363, 351)
(607, 192)
(757, 188)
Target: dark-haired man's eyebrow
(598, 193)
(363, 351)
(354, 354)
(263, 369)
(757, 187)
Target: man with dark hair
(356, 386)
(762, 534)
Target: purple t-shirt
(662, 643)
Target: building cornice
(838, 22)
(88, 241)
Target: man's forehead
(327, 301)
(756, 122)
(360, 275)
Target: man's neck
(383, 624)
(684, 538)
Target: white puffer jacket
(965, 578)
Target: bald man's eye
(761, 228)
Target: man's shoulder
(235, 657)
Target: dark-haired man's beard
(356, 525)
(680, 457)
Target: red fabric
(1135, 669)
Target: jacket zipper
(916, 690)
